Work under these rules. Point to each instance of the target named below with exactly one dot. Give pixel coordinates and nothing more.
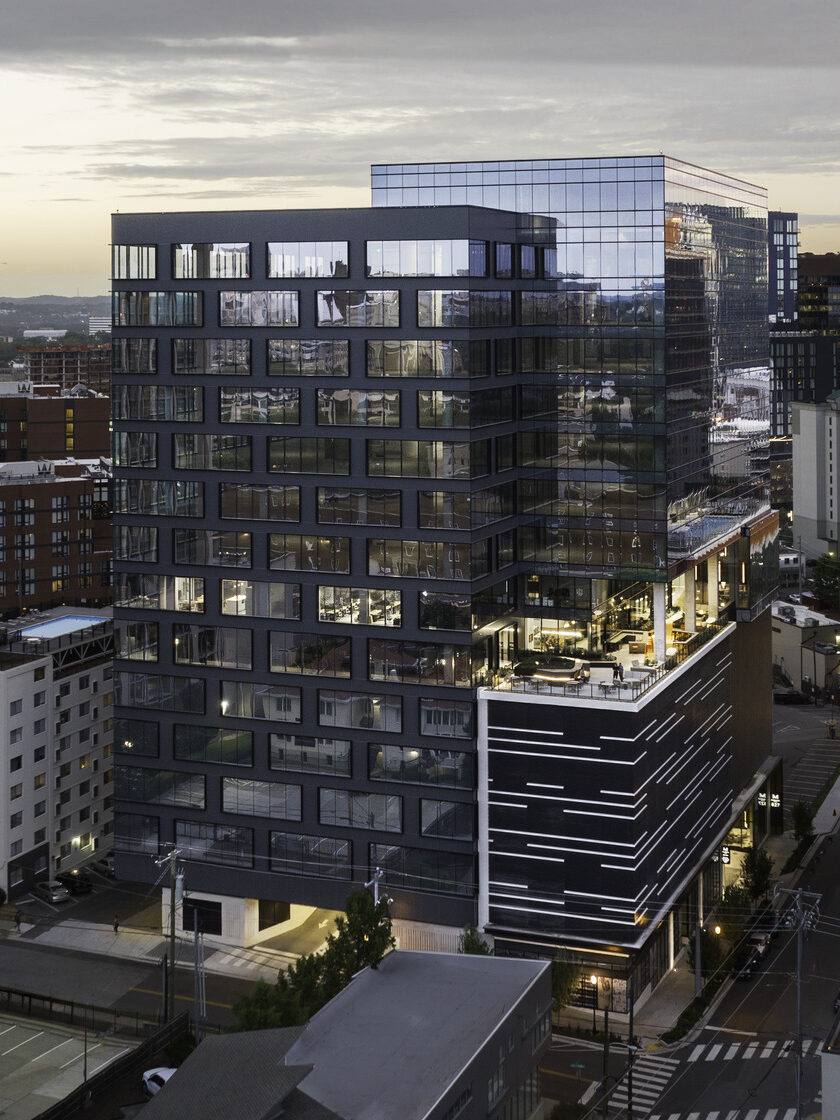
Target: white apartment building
(816, 476)
(56, 703)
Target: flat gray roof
(391, 1043)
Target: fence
(15, 1001)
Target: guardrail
(16, 1001)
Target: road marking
(696, 1052)
(187, 999)
(768, 1050)
(771, 1114)
(711, 1116)
(557, 1073)
(790, 1114)
(713, 1052)
(751, 1115)
(12, 1028)
(90, 1050)
(731, 1030)
(732, 1051)
(64, 1043)
(750, 1049)
(30, 1039)
(119, 1054)
(692, 1116)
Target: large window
(159, 787)
(443, 610)
(339, 505)
(358, 309)
(420, 869)
(307, 258)
(255, 700)
(136, 833)
(308, 357)
(258, 309)
(159, 691)
(157, 309)
(136, 737)
(136, 641)
(150, 591)
(293, 455)
(159, 498)
(446, 718)
(443, 509)
(245, 501)
(427, 559)
(422, 766)
(427, 258)
(200, 357)
(437, 308)
(212, 548)
(311, 755)
(198, 452)
(321, 655)
(375, 408)
(256, 599)
(215, 843)
(323, 856)
(419, 663)
(411, 458)
(427, 358)
(221, 647)
(218, 745)
(278, 405)
(211, 261)
(359, 709)
(134, 355)
(157, 402)
(305, 553)
(451, 820)
(135, 449)
(360, 606)
(134, 262)
(377, 812)
(261, 799)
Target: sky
(248, 104)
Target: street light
(593, 980)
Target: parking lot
(40, 1063)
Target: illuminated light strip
(557, 836)
(567, 757)
(668, 730)
(699, 730)
(539, 742)
(662, 727)
(617, 910)
(692, 754)
(544, 785)
(622, 739)
(528, 855)
(576, 917)
(506, 805)
(518, 730)
(649, 779)
(611, 897)
(604, 816)
(617, 792)
(580, 851)
(586, 800)
(698, 777)
(534, 897)
(503, 883)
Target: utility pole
(374, 882)
(698, 964)
(199, 978)
(805, 903)
(176, 886)
(631, 1046)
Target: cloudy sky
(223, 104)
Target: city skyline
(214, 107)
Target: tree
(565, 977)
(711, 952)
(362, 937)
(756, 873)
(733, 912)
(471, 941)
(802, 817)
(827, 580)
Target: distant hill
(71, 312)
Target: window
(340, 505)
(145, 591)
(217, 745)
(419, 663)
(464, 309)
(323, 856)
(292, 455)
(359, 709)
(200, 357)
(215, 843)
(136, 641)
(182, 403)
(159, 498)
(442, 610)
(134, 355)
(311, 755)
(16, 763)
(159, 691)
(261, 799)
(293, 552)
(15, 820)
(15, 792)
(448, 718)
(410, 458)
(211, 261)
(427, 358)
(136, 737)
(212, 547)
(134, 449)
(357, 308)
(24, 546)
(219, 647)
(40, 809)
(307, 258)
(372, 408)
(313, 357)
(60, 510)
(159, 787)
(427, 258)
(157, 309)
(453, 820)
(277, 405)
(136, 833)
(258, 309)
(134, 262)
(193, 452)
(16, 735)
(136, 542)
(427, 559)
(378, 812)
(311, 654)
(60, 577)
(360, 606)
(254, 700)
(24, 511)
(248, 502)
(40, 753)
(423, 869)
(15, 707)
(421, 766)
(16, 847)
(255, 599)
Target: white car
(155, 1079)
(51, 891)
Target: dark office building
(805, 368)
(492, 646)
(782, 266)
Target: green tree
(733, 912)
(802, 817)
(827, 580)
(565, 977)
(362, 937)
(471, 941)
(711, 952)
(756, 873)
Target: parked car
(51, 891)
(746, 963)
(76, 881)
(782, 695)
(104, 866)
(759, 941)
(155, 1079)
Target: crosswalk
(651, 1074)
(726, 1051)
(751, 1114)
